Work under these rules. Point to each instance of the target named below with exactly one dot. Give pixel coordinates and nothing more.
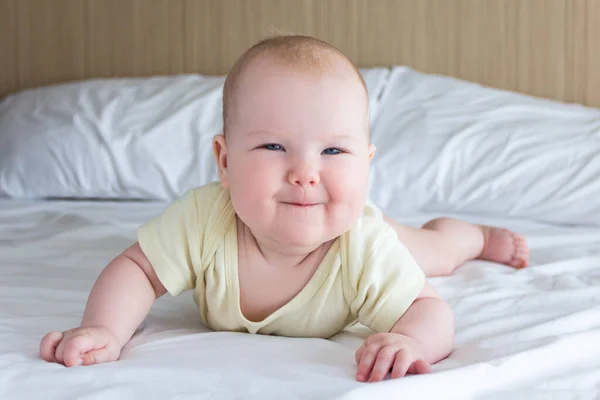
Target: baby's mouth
(301, 204)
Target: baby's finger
(48, 346)
(75, 347)
(358, 353)
(420, 367)
(98, 356)
(401, 365)
(367, 359)
(385, 360)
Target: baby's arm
(423, 335)
(430, 322)
(119, 301)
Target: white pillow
(446, 145)
(142, 138)
(121, 138)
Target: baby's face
(298, 153)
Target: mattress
(527, 334)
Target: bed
(519, 334)
(94, 143)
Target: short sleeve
(173, 241)
(389, 283)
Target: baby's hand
(383, 351)
(80, 346)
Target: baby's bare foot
(504, 246)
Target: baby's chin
(297, 237)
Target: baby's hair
(303, 52)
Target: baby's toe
(521, 256)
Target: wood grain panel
(487, 48)
(591, 75)
(546, 48)
(219, 31)
(50, 41)
(206, 46)
(135, 37)
(334, 22)
(542, 51)
(9, 80)
(576, 52)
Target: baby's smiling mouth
(301, 204)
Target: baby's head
(295, 152)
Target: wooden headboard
(547, 48)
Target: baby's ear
(220, 151)
(371, 151)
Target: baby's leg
(443, 244)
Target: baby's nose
(304, 175)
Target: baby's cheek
(345, 211)
(349, 183)
(349, 191)
(246, 197)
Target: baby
(287, 243)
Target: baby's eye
(272, 147)
(332, 151)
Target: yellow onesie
(367, 275)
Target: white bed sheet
(531, 334)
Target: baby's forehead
(273, 84)
(294, 106)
